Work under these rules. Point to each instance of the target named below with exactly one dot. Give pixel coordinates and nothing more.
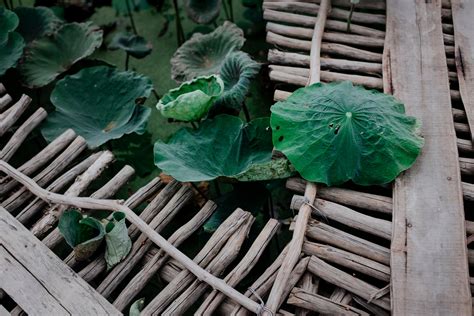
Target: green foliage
(135, 5)
(134, 45)
(36, 22)
(202, 11)
(203, 54)
(274, 169)
(83, 234)
(337, 132)
(99, 103)
(8, 23)
(223, 146)
(237, 71)
(137, 307)
(117, 239)
(52, 55)
(11, 43)
(192, 100)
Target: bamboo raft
(355, 250)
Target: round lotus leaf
(279, 168)
(337, 132)
(36, 22)
(222, 146)
(11, 51)
(99, 103)
(8, 23)
(52, 55)
(134, 45)
(203, 54)
(202, 11)
(192, 100)
(237, 72)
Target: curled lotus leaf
(8, 23)
(52, 55)
(36, 22)
(11, 51)
(202, 11)
(135, 45)
(237, 72)
(192, 100)
(336, 132)
(203, 54)
(99, 103)
(224, 146)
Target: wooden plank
(47, 273)
(428, 252)
(463, 12)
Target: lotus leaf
(203, 54)
(36, 22)
(11, 51)
(8, 23)
(203, 11)
(134, 45)
(222, 146)
(135, 5)
(83, 234)
(274, 169)
(337, 132)
(99, 103)
(117, 239)
(237, 72)
(192, 100)
(52, 55)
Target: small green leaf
(191, 100)
(8, 23)
(134, 45)
(137, 307)
(203, 54)
(118, 242)
(202, 11)
(36, 22)
(337, 132)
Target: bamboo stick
(90, 203)
(341, 296)
(5, 101)
(367, 5)
(310, 284)
(374, 309)
(10, 116)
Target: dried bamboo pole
(465, 145)
(374, 309)
(368, 201)
(217, 266)
(214, 299)
(40, 159)
(21, 133)
(90, 203)
(367, 5)
(5, 101)
(348, 259)
(321, 304)
(10, 116)
(333, 236)
(341, 296)
(309, 283)
(51, 217)
(55, 168)
(468, 191)
(207, 253)
(141, 279)
(346, 281)
(141, 246)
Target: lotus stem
(199, 190)
(195, 127)
(157, 96)
(127, 60)
(226, 10)
(130, 16)
(350, 18)
(179, 27)
(7, 5)
(217, 188)
(231, 10)
(246, 112)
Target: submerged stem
(130, 16)
(246, 112)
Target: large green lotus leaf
(237, 72)
(202, 11)
(36, 22)
(83, 234)
(274, 169)
(52, 55)
(8, 23)
(11, 51)
(223, 146)
(192, 100)
(136, 46)
(337, 132)
(203, 54)
(117, 240)
(99, 103)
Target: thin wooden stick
(112, 205)
(5, 101)
(309, 283)
(10, 116)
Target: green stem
(157, 96)
(216, 186)
(11, 5)
(7, 5)
(130, 16)
(179, 27)
(226, 10)
(199, 190)
(350, 18)
(231, 10)
(127, 59)
(246, 112)
(195, 127)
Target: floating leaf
(117, 239)
(135, 5)
(52, 55)
(83, 234)
(99, 103)
(137, 307)
(337, 132)
(8, 23)
(36, 22)
(11, 51)
(237, 72)
(192, 100)
(274, 169)
(223, 146)
(134, 45)
(203, 54)
(203, 11)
